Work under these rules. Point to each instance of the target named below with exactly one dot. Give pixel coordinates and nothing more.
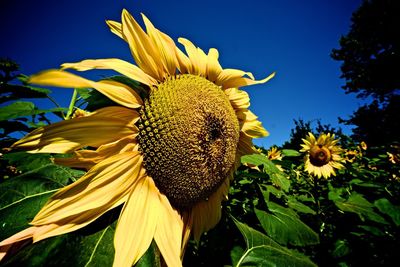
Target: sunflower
(352, 155)
(274, 154)
(323, 155)
(167, 157)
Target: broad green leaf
(263, 251)
(88, 247)
(22, 196)
(255, 159)
(17, 109)
(22, 109)
(236, 254)
(269, 256)
(290, 153)
(151, 258)
(356, 203)
(389, 209)
(341, 249)
(276, 175)
(298, 206)
(285, 227)
(372, 229)
(362, 183)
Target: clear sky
(293, 38)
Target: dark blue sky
(293, 38)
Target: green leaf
(285, 227)
(389, 209)
(298, 206)
(356, 203)
(372, 229)
(276, 175)
(151, 258)
(263, 251)
(236, 254)
(16, 110)
(22, 196)
(255, 159)
(83, 248)
(359, 182)
(290, 153)
(341, 249)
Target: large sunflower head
(322, 155)
(166, 155)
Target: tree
(371, 58)
(371, 50)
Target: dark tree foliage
(371, 59)
(371, 50)
(302, 128)
(377, 124)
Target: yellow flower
(363, 145)
(351, 155)
(274, 154)
(167, 158)
(322, 155)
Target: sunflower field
(321, 199)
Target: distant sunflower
(167, 158)
(274, 154)
(352, 155)
(323, 155)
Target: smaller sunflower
(323, 155)
(352, 155)
(363, 145)
(274, 154)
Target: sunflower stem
(72, 104)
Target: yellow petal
(197, 57)
(143, 51)
(206, 214)
(184, 64)
(121, 66)
(249, 124)
(106, 184)
(239, 99)
(88, 158)
(117, 92)
(245, 145)
(228, 74)
(66, 136)
(137, 223)
(165, 45)
(168, 235)
(129, 115)
(213, 66)
(115, 28)
(243, 81)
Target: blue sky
(293, 38)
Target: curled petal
(243, 81)
(121, 66)
(69, 135)
(117, 92)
